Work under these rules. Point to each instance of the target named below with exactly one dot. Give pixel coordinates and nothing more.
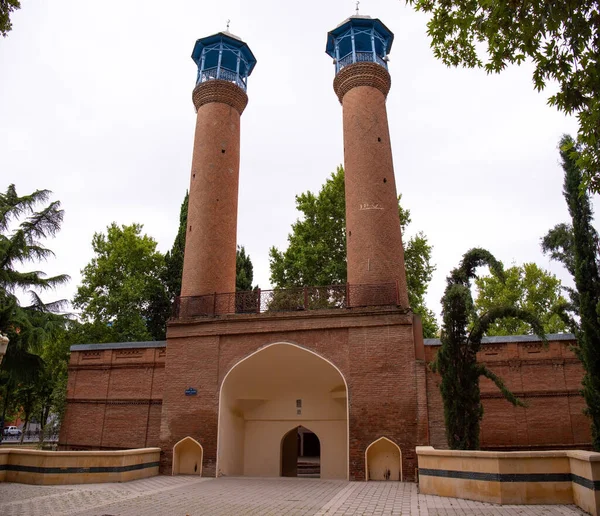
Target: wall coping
(85, 453)
(120, 345)
(507, 339)
(573, 454)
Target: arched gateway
(274, 391)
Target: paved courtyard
(192, 496)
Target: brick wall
(547, 378)
(114, 396)
(373, 349)
(135, 397)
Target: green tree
(577, 247)
(22, 231)
(174, 257)
(456, 360)
(316, 254)
(6, 8)
(244, 270)
(562, 39)
(122, 285)
(526, 287)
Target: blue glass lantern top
(359, 39)
(223, 56)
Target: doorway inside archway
(283, 389)
(301, 454)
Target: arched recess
(187, 457)
(383, 460)
(279, 387)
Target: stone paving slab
(193, 496)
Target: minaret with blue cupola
(359, 47)
(224, 64)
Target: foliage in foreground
(32, 328)
(316, 254)
(456, 360)
(561, 38)
(6, 8)
(576, 246)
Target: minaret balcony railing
(287, 300)
(211, 74)
(360, 57)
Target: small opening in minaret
(378, 139)
(222, 151)
(384, 180)
(190, 228)
(194, 176)
(349, 233)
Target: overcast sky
(95, 105)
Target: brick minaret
(224, 64)
(375, 254)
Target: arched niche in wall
(187, 457)
(383, 460)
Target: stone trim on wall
(120, 345)
(104, 401)
(506, 339)
(108, 366)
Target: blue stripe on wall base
(512, 477)
(67, 470)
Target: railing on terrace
(360, 57)
(210, 74)
(287, 300)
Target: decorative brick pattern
(362, 74)
(220, 91)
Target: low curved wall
(545, 477)
(77, 467)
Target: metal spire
(357, 3)
(228, 22)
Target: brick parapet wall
(548, 378)
(114, 396)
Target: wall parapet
(506, 339)
(542, 477)
(77, 467)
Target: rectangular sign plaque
(190, 391)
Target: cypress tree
(456, 360)
(587, 282)
(174, 257)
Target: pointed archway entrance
(300, 454)
(282, 389)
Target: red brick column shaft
(210, 247)
(374, 241)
